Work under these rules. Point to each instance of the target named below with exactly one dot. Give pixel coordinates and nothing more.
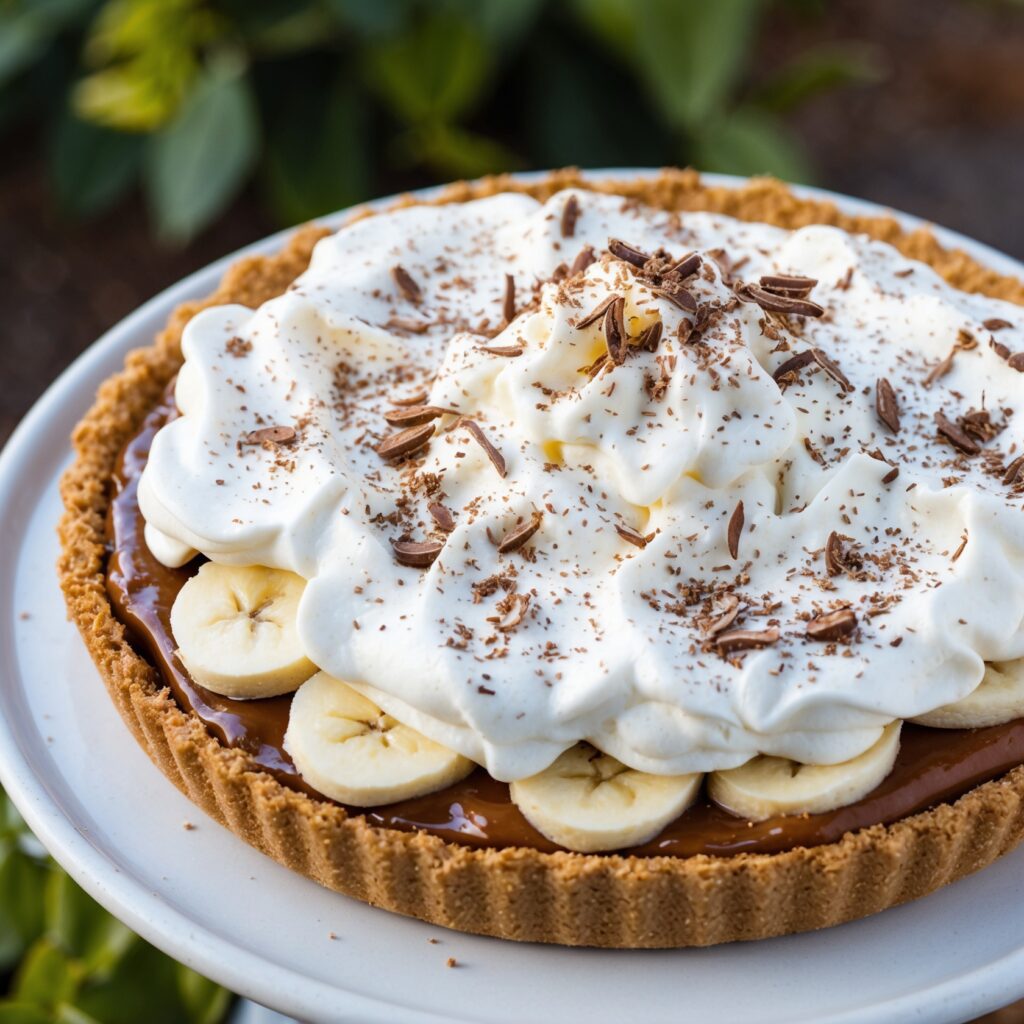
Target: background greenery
(316, 100)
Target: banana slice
(587, 801)
(235, 630)
(347, 748)
(998, 698)
(768, 786)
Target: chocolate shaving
(835, 555)
(939, 370)
(999, 348)
(418, 554)
(401, 323)
(413, 415)
(517, 537)
(417, 399)
(687, 266)
(584, 258)
(1015, 471)
(615, 329)
(832, 369)
(595, 314)
(955, 435)
(570, 214)
(996, 324)
(735, 530)
(775, 303)
(497, 460)
(788, 284)
(510, 351)
(728, 609)
(442, 516)
(406, 283)
(879, 457)
(638, 540)
(628, 253)
(651, 337)
(793, 364)
(1016, 362)
(405, 442)
(679, 297)
(746, 639)
(271, 435)
(832, 625)
(960, 549)
(508, 305)
(596, 366)
(887, 405)
(517, 607)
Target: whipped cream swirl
(641, 554)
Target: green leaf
(749, 142)
(22, 880)
(15, 1012)
(614, 22)
(372, 17)
(456, 153)
(195, 166)
(26, 30)
(82, 928)
(503, 23)
(46, 977)
(92, 167)
(816, 72)
(433, 72)
(691, 53)
(301, 188)
(205, 1001)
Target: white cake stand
(205, 897)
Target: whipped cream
(615, 620)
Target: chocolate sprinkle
(517, 537)
(413, 415)
(509, 303)
(996, 324)
(405, 442)
(584, 258)
(497, 460)
(417, 554)
(271, 435)
(406, 283)
(598, 311)
(746, 639)
(628, 253)
(832, 625)
(441, 515)
(570, 214)
(886, 405)
(735, 529)
(955, 435)
(615, 329)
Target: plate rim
(171, 929)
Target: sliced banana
(998, 698)
(235, 630)
(587, 801)
(768, 786)
(349, 749)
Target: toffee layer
(934, 765)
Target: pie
(615, 563)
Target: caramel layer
(934, 765)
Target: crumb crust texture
(514, 893)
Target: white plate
(117, 825)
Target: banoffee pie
(610, 563)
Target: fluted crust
(515, 893)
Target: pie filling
(748, 562)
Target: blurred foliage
(319, 100)
(67, 961)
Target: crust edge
(514, 893)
